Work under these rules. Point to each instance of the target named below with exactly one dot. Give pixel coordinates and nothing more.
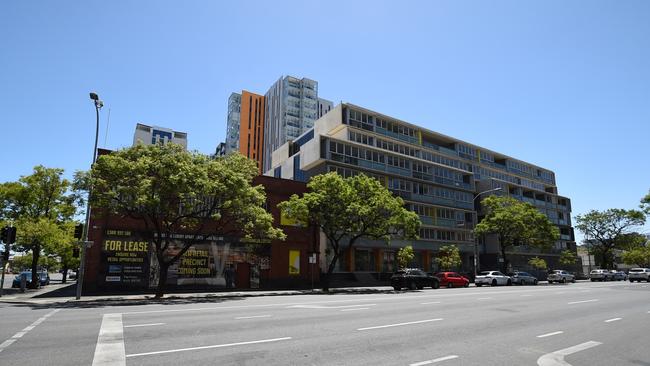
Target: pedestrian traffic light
(79, 231)
(4, 234)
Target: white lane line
(557, 358)
(550, 334)
(400, 324)
(18, 335)
(429, 303)
(355, 309)
(208, 347)
(612, 320)
(252, 317)
(644, 286)
(143, 325)
(581, 302)
(435, 360)
(109, 350)
(585, 291)
(526, 295)
(484, 298)
(328, 307)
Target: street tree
(538, 263)
(515, 223)
(40, 205)
(347, 209)
(170, 190)
(609, 230)
(568, 258)
(637, 257)
(448, 257)
(404, 256)
(645, 203)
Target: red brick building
(120, 260)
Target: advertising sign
(294, 262)
(126, 259)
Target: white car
(561, 276)
(492, 278)
(639, 274)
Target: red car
(452, 279)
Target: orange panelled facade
(251, 127)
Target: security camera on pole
(85, 243)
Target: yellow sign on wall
(294, 262)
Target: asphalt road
(575, 324)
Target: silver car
(522, 278)
(639, 274)
(492, 278)
(600, 275)
(560, 276)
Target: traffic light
(8, 235)
(79, 231)
(5, 254)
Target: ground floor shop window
(364, 260)
(388, 262)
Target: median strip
(208, 347)
(400, 324)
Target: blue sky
(564, 85)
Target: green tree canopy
(538, 263)
(608, 230)
(404, 256)
(645, 203)
(637, 257)
(568, 258)
(448, 257)
(347, 209)
(171, 190)
(515, 223)
(41, 206)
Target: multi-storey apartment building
(324, 106)
(158, 135)
(291, 109)
(438, 176)
(232, 122)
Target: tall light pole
(476, 262)
(82, 266)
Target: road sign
(312, 259)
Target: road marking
(484, 298)
(25, 330)
(580, 302)
(557, 358)
(526, 295)
(400, 324)
(644, 286)
(550, 334)
(429, 303)
(109, 350)
(440, 359)
(252, 317)
(142, 325)
(585, 291)
(559, 292)
(612, 320)
(327, 307)
(208, 347)
(354, 309)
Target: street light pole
(476, 256)
(82, 266)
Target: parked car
(600, 275)
(639, 274)
(44, 279)
(522, 278)
(559, 275)
(413, 278)
(452, 279)
(492, 278)
(618, 275)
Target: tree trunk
(36, 253)
(162, 279)
(65, 274)
(504, 267)
(325, 281)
